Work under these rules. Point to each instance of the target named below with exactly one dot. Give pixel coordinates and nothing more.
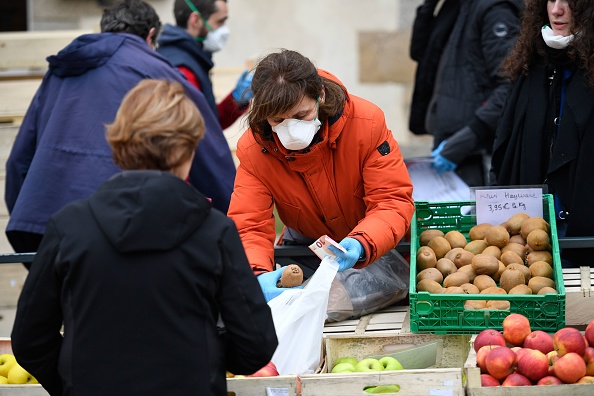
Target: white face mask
(555, 41)
(216, 40)
(297, 134)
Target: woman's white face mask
(297, 134)
(216, 39)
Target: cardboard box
(445, 377)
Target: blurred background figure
(201, 31)
(60, 153)
(546, 134)
(464, 85)
(141, 270)
(328, 162)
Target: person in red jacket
(326, 160)
(199, 32)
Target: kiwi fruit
(511, 278)
(519, 239)
(475, 304)
(454, 290)
(429, 285)
(520, 289)
(547, 290)
(483, 282)
(469, 288)
(513, 225)
(440, 246)
(497, 236)
(538, 282)
(469, 271)
(541, 268)
(492, 251)
(501, 305)
(531, 224)
(493, 290)
(476, 246)
(446, 266)
(518, 249)
(510, 257)
(455, 279)
(430, 273)
(538, 240)
(425, 258)
(483, 264)
(460, 257)
(429, 234)
(496, 276)
(478, 231)
(292, 276)
(541, 255)
(456, 239)
(525, 270)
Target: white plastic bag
(299, 317)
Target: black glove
(460, 145)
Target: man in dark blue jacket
(60, 153)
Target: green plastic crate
(445, 313)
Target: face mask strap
(194, 9)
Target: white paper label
(497, 205)
(277, 391)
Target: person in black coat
(151, 284)
(546, 134)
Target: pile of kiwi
(511, 258)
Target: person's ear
(323, 95)
(150, 37)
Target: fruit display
(518, 356)
(352, 365)
(511, 258)
(12, 373)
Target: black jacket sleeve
(250, 334)
(421, 30)
(36, 338)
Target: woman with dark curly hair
(546, 134)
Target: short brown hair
(280, 81)
(157, 127)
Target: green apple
(390, 363)
(18, 375)
(369, 364)
(343, 368)
(383, 389)
(6, 362)
(349, 359)
(3, 380)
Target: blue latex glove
(243, 90)
(268, 281)
(354, 251)
(440, 163)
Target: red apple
(589, 359)
(501, 362)
(520, 351)
(488, 380)
(589, 333)
(482, 354)
(516, 379)
(533, 364)
(516, 328)
(549, 380)
(267, 371)
(553, 357)
(586, 380)
(570, 368)
(569, 340)
(488, 337)
(540, 340)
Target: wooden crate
(444, 378)
(474, 388)
(286, 385)
(390, 320)
(579, 296)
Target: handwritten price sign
(497, 205)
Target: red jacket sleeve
(229, 111)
